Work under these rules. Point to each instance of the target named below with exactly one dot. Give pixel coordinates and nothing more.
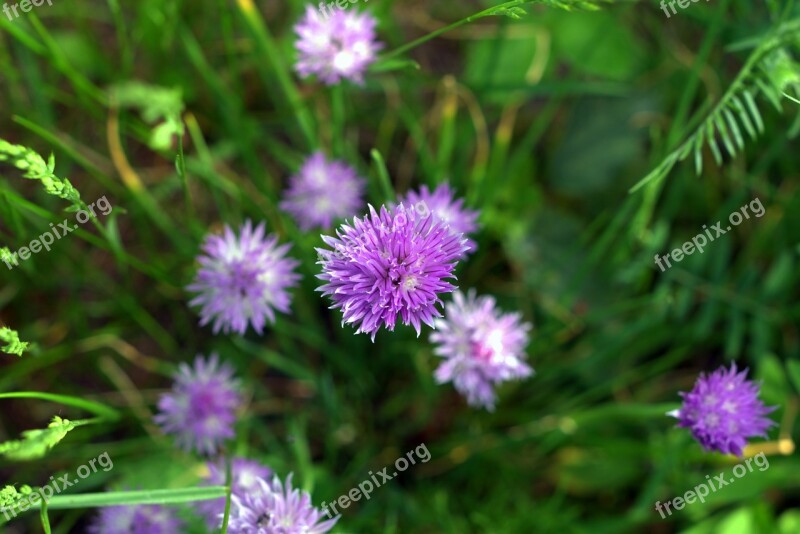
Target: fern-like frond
(36, 443)
(766, 75)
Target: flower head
(245, 475)
(723, 410)
(389, 265)
(276, 509)
(444, 205)
(482, 347)
(243, 280)
(340, 46)
(200, 409)
(323, 191)
(136, 519)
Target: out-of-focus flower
(443, 203)
(243, 280)
(723, 410)
(136, 519)
(322, 192)
(339, 47)
(389, 265)
(276, 509)
(245, 475)
(482, 347)
(200, 411)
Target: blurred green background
(543, 123)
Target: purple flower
(444, 205)
(389, 265)
(276, 509)
(245, 475)
(242, 280)
(200, 409)
(341, 46)
(136, 519)
(723, 410)
(322, 192)
(482, 347)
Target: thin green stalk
(228, 492)
(116, 498)
(496, 10)
(383, 176)
(45, 519)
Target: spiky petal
(200, 409)
(482, 347)
(723, 410)
(276, 509)
(338, 47)
(442, 202)
(243, 279)
(323, 192)
(388, 266)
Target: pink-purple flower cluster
(723, 410)
(200, 411)
(481, 347)
(243, 280)
(448, 208)
(341, 46)
(388, 266)
(138, 519)
(245, 475)
(277, 508)
(323, 192)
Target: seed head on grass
(723, 410)
(200, 411)
(338, 47)
(245, 475)
(482, 347)
(141, 519)
(389, 265)
(323, 192)
(442, 202)
(276, 508)
(243, 279)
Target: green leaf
(744, 117)
(737, 133)
(101, 410)
(10, 337)
(36, 443)
(712, 142)
(751, 106)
